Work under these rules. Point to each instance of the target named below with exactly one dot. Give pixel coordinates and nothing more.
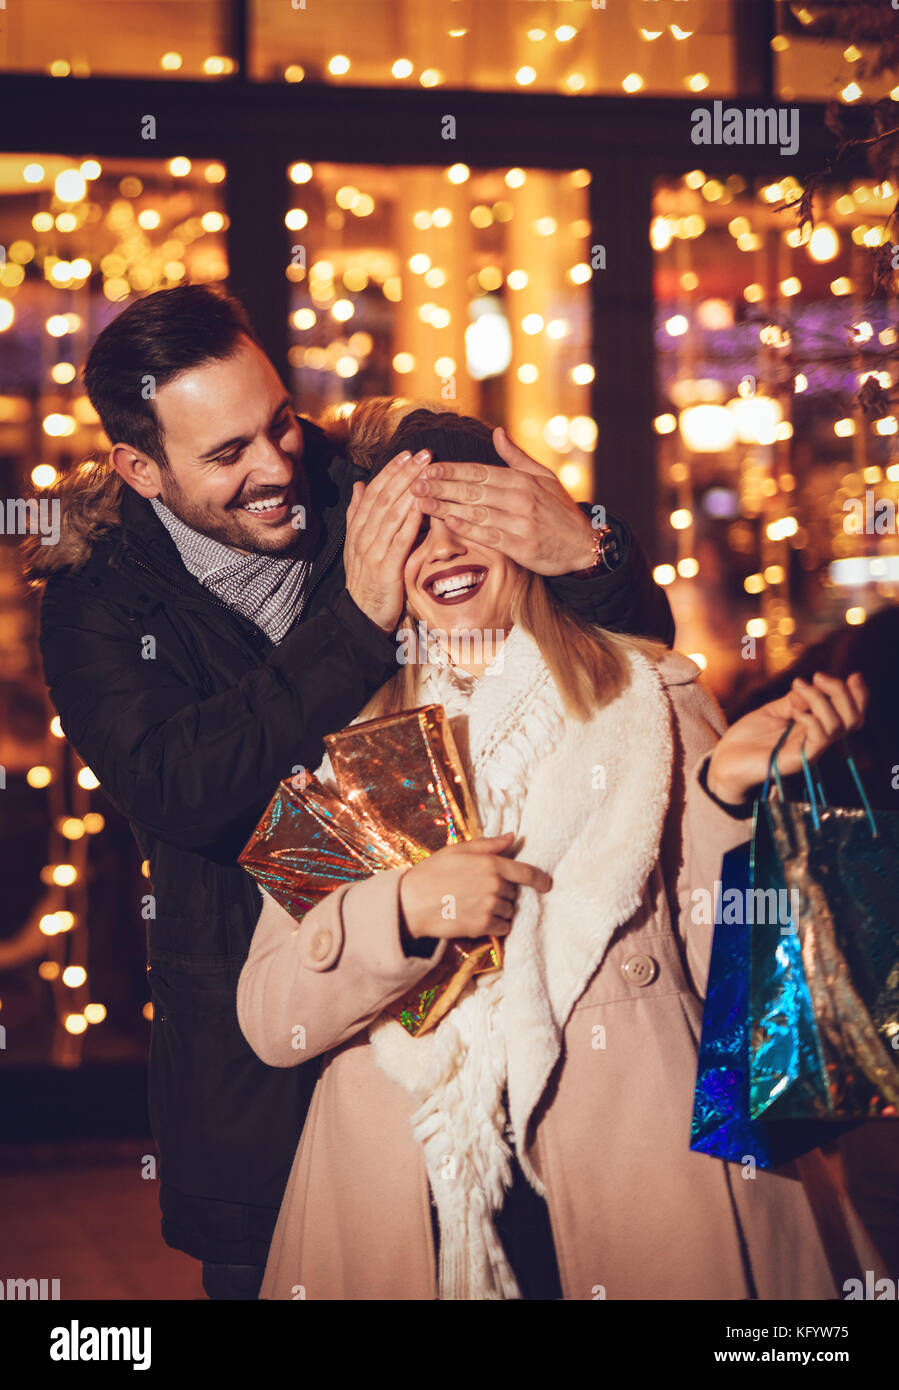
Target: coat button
(320, 945)
(640, 970)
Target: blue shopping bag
(721, 1124)
(824, 995)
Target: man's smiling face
(234, 448)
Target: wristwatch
(606, 554)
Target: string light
(70, 186)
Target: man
(200, 633)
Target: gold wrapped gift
(402, 795)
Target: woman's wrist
(732, 798)
(407, 928)
(411, 942)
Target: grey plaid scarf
(267, 589)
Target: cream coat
(635, 1214)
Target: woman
(538, 1137)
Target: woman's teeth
(265, 506)
(455, 584)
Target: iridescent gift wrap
(825, 991)
(402, 776)
(308, 843)
(401, 796)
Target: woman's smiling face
(454, 584)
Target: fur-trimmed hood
(90, 498)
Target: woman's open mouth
(455, 585)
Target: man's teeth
(454, 584)
(266, 506)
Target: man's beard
(233, 527)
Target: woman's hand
(822, 712)
(467, 889)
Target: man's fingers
(506, 537)
(511, 501)
(353, 507)
(371, 491)
(398, 479)
(449, 470)
(517, 458)
(400, 543)
(390, 483)
(505, 541)
(392, 514)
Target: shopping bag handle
(813, 796)
(773, 769)
(856, 777)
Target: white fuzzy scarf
(588, 803)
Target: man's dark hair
(148, 345)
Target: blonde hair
(588, 663)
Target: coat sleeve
(192, 769)
(706, 831)
(307, 987)
(626, 599)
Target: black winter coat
(189, 746)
